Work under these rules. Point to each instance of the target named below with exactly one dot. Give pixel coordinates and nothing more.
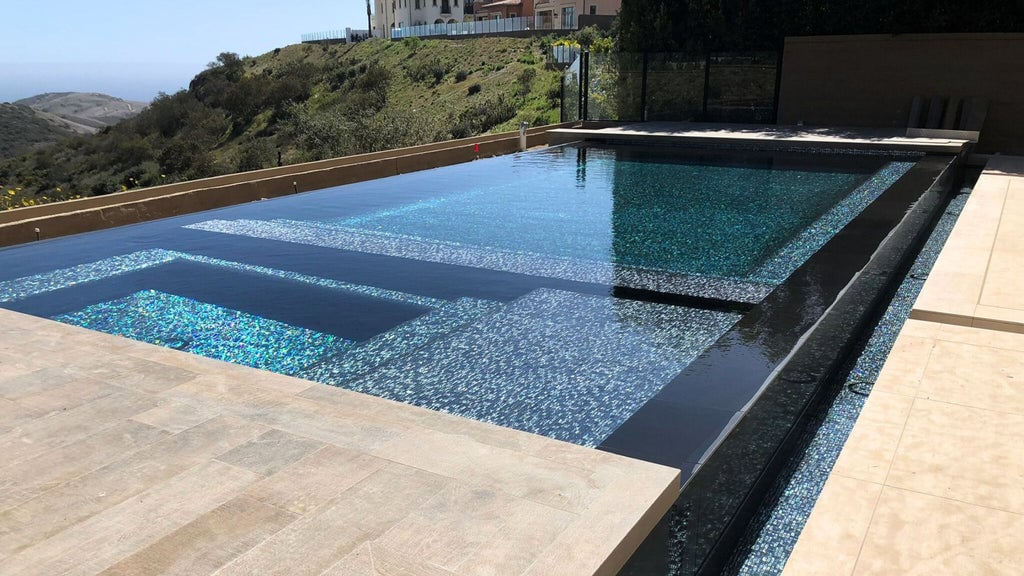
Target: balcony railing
(478, 27)
(326, 36)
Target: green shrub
(525, 81)
(473, 89)
(529, 59)
(255, 154)
(483, 116)
(429, 72)
(412, 43)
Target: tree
(229, 64)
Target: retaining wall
(871, 80)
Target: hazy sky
(134, 50)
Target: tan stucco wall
(604, 7)
(871, 80)
(100, 212)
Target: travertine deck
(118, 457)
(764, 136)
(931, 480)
(977, 278)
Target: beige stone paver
(947, 445)
(119, 457)
(976, 280)
(935, 460)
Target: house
(404, 13)
(565, 13)
(491, 9)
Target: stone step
(398, 342)
(562, 364)
(338, 237)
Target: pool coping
(925, 480)
(975, 282)
(763, 137)
(245, 441)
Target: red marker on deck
(476, 148)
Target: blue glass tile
(711, 231)
(208, 330)
(16, 289)
(444, 252)
(561, 364)
(399, 341)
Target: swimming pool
(679, 306)
(555, 292)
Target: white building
(403, 13)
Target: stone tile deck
(977, 278)
(931, 480)
(119, 457)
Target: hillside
(84, 113)
(22, 128)
(298, 103)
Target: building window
(417, 4)
(456, 3)
(435, 2)
(569, 17)
(593, 10)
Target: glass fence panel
(741, 87)
(675, 87)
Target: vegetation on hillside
(299, 103)
(21, 128)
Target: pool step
(566, 365)
(398, 342)
(338, 237)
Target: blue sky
(135, 50)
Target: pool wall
(100, 212)
(853, 275)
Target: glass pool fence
(739, 87)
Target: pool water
(623, 208)
(208, 330)
(492, 290)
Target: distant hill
(298, 103)
(83, 113)
(22, 128)
(49, 118)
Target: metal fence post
(707, 84)
(561, 102)
(579, 90)
(585, 88)
(643, 91)
(779, 54)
